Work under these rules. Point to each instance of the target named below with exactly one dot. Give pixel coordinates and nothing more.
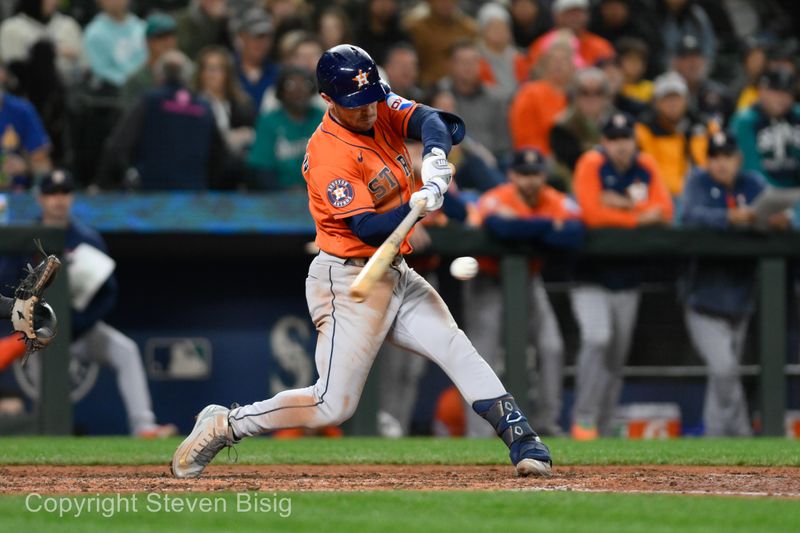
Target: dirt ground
(740, 481)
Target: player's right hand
(431, 194)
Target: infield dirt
(712, 480)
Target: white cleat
(532, 467)
(210, 434)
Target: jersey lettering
(382, 184)
(404, 164)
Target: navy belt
(362, 261)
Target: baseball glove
(31, 315)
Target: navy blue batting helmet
(349, 76)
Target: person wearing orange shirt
(573, 15)
(360, 186)
(524, 209)
(538, 103)
(615, 186)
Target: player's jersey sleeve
(339, 191)
(397, 113)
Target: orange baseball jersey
(351, 173)
(505, 200)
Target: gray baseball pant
(110, 347)
(606, 320)
(720, 344)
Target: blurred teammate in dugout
(92, 339)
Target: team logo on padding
(340, 193)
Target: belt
(362, 261)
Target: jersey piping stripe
(330, 361)
(354, 211)
(355, 145)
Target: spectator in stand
(709, 100)
(573, 15)
(678, 18)
(632, 57)
(202, 23)
(483, 109)
(768, 132)
(615, 187)
(215, 80)
(613, 21)
(161, 38)
(435, 33)
(754, 63)
(36, 20)
(288, 16)
(536, 105)
(577, 129)
(91, 338)
(170, 139)
(720, 294)
(115, 43)
(622, 103)
(476, 166)
(277, 155)
(302, 50)
(530, 20)
(502, 65)
(380, 30)
(24, 144)
(670, 134)
(524, 209)
(402, 71)
(333, 27)
(257, 72)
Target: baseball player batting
(360, 188)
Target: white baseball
(464, 268)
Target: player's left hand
(436, 167)
(431, 194)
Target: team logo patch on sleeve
(397, 102)
(340, 193)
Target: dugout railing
(772, 251)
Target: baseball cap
(566, 5)
(688, 45)
(618, 126)
(669, 83)
(256, 22)
(57, 181)
(779, 79)
(722, 143)
(160, 24)
(528, 161)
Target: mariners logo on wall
(340, 193)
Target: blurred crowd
(579, 113)
(220, 94)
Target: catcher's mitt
(31, 315)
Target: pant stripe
(330, 362)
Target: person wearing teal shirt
(769, 131)
(281, 135)
(115, 42)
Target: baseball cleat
(210, 434)
(532, 467)
(534, 458)
(158, 432)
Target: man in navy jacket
(719, 294)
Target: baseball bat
(379, 263)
